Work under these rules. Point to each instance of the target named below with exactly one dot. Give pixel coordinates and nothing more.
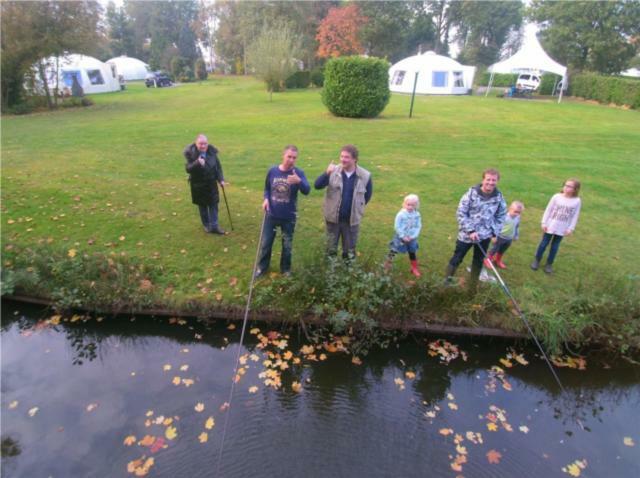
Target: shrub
(356, 87)
(201, 69)
(186, 75)
(499, 79)
(300, 79)
(606, 89)
(181, 69)
(317, 77)
(75, 102)
(547, 82)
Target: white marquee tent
(437, 75)
(130, 68)
(530, 58)
(93, 75)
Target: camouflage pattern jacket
(481, 213)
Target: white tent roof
(530, 57)
(93, 75)
(130, 68)
(428, 60)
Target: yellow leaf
(506, 363)
(184, 368)
(122, 238)
(13, 404)
(254, 331)
(445, 431)
(356, 360)
(166, 367)
(176, 380)
(231, 327)
(72, 253)
(572, 469)
(296, 387)
(253, 389)
(55, 320)
(199, 407)
(187, 382)
(91, 407)
(203, 437)
(130, 440)
(410, 375)
(287, 355)
(210, 423)
(149, 413)
(628, 441)
(148, 440)
(492, 427)
(167, 421)
(33, 411)
(307, 349)
(170, 433)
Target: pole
(489, 86)
(413, 95)
(224, 194)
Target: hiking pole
(244, 327)
(521, 314)
(226, 203)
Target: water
(96, 383)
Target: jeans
(209, 216)
(287, 226)
(547, 238)
(349, 236)
(461, 250)
(501, 246)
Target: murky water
(74, 392)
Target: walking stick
(224, 194)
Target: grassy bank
(108, 182)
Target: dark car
(157, 79)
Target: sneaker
(286, 274)
(548, 269)
(535, 264)
(259, 273)
(217, 230)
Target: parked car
(528, 81)
(157, 79)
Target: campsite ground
(101, 192)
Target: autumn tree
(594, 36)
(273, 56)
(120, 31)
(338, 33)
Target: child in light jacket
(407, 229)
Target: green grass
(116, 169)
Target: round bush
(356, 87)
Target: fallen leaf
(122, 238)
(506, 363)
(410, 375)
(296, 387)
(166, 367)
(254, 331)
(170, 433)
(139, 467)
(130, 440)
(187, 382)
(72, 253)
(176, 380)
(494, 457)
(149, 413)
(231, 327)
(147, 440)
(13, 404)
(203, 437)
(199, 407)
(452, 406)
(253, 389)
(210, 423)
(233, 282)
(167, 421)
(91, 407)
(628, 441)
(184, 368)
(445, 431)
(356, 360)
(492, 427)
(287, 355)
(158, 445)
(524, 429)
(33, 411)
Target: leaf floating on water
(445, 431)
(356, 360)
(148, 440)
(253, 389)
(171, 433)
(452, 406)
(149, 413)
(410, 375)
(91, 407)
(578, 363)
(199, 407)
(187, 382)
(13, 404)
(159, 419)
(176, 380)
(399, 382)
(628, 441)
(203, 437)
(167, 421)
(575, 468)
(296, 387)
(33, 411)
(231, 327)
(184, 351)
(287, 355)
(524, 429)
(210, 423)
(158, 445)
(507, 363)
(130, 440)
(166, 367)
(254, 331)
(184, 368)
(307, 349)
(492, 427)
(224, 406)
(493, 456)
(140, 467)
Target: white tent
(530, 58)
(130, 68)
(631, 72)
(437, 75)
(93, 75)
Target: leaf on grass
(210, 423)
(199, 407)
(203, 437)
(130, 440)
(171, 433)
(494, 456)
(628, 441)
(72, 253)
(233, 281)
(33, 411)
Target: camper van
(528, 81)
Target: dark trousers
(209, 216)
(501, 246)
(547, 238)
(268, 236)
(461, 250)
(349, 235)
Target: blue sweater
(282, 196)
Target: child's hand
(568, 233)
(544, 228)
(406, 239)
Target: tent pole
(489, 86)
(560, 95)
(413, 95)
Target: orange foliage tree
(338, 32)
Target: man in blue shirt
(280, 198)
(349, 189)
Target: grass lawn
(110, 178)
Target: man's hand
(223, 184)
(293, 179)
(265, 205)
(200, 160)
(474, 237)
(331, 168)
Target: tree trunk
(45, 84)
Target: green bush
(181, 69)
(548, 81)
(606, 89)
(356, 87)
(186, 76)
(317, 77)
(499, 79)
(201, 69)
(75, 102)
(300, 79)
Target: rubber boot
(497, 260)
(414, 268)
(488, 260)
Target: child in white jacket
(559, 220)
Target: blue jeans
(547, 238)
(287, 227)
(209, 216)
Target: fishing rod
(244, 327)
(521, 314)
(226, 203)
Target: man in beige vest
(349, 189)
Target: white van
(528, 81)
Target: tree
(594, 36)
(440, 11)
(33, 31)
(121, 38)
(338, 32)
(273, 56)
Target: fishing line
(521, 314)
(244, 327)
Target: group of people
(482, 214)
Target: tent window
(68, 75)
(398, 77)
(439, 79)
(458, 79)
(95, 77)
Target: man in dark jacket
(205, 172)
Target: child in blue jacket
(407, 229)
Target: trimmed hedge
(606, 89)
(356, 87)
(499, 79)
(317, 77)
(300, 79)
